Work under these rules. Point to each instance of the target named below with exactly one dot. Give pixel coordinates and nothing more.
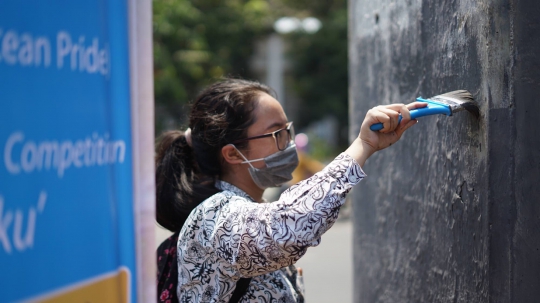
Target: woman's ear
(231, 155)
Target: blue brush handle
(433, 108)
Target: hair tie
(187, 134)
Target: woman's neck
(248, 186)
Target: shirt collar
(226, 186)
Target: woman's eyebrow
(276, 124)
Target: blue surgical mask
(278, 170)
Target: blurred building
(271, 66)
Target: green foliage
(320, 150)
(315, 8)
(196, 42)
(320, 74)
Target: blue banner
(66, 188)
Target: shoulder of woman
(224, 198)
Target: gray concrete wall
(452, 212)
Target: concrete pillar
(452, 212)
(275, 66)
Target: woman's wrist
(360, 151)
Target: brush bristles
(459, 95)
(459, 100)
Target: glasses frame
(273, 134)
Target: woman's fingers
(415, 105)
(395, 106)
(405, 114)
(385, 115)
(375, 116)
(393, 129)
(392, 121)
(404, 111)
(389, 115)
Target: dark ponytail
(185, 175)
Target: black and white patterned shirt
(228, 236)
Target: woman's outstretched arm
(259, 238)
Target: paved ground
(327, 268)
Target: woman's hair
(185, 175)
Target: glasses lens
(284, 136)
(281, 139)
(291, 132)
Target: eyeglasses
(282, 136)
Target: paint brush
(447, 104)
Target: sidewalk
(328, 268)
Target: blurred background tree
(196, 42)
(199, 41)
(319, 73)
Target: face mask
(278, 170)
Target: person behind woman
(210, 182)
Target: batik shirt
(229, 236)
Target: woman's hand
(368, 141)
(388, 115)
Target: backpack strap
(167, 270)
(241, 288)
(168, 273)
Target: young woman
(229, 245)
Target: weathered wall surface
(452, 212)
(525, 241)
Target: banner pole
(142, 110)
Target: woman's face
(269, 116)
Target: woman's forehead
(268, 114)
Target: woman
(229, 245)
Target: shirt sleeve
(259, 238)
